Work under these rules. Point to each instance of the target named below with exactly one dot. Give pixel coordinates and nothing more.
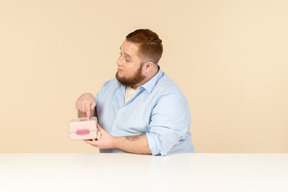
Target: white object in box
(81, 128)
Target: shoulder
(169, 101)
(111, 82)
(167, 86)
(167, 92)
(108, 87)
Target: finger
(87, 112)
(88, 115)
(88, 141)
(93, 105)
(81, 108)
(93, 143)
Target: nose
(119, 61)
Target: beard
(134, 80)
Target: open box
(81, 128)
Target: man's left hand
(105, 142)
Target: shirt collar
(147, 86)
(152, 82)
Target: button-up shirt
(159, 109)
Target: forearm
(133, 144)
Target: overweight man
(142, 110)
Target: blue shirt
(159, 110)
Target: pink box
(81, 128)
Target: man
(142, 111)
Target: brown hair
(150, 46)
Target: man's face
(129, 71)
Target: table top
(125, 172)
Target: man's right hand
(86, 104)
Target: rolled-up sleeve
(170, 121)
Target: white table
(127, 172)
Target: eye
(125, 57)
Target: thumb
(100, 128)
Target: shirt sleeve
(170, 121)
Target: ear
(148, 66)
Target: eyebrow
(126, 54)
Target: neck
(149, 76)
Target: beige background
(228, 57)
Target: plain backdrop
(229, 57)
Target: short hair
(150, 45)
